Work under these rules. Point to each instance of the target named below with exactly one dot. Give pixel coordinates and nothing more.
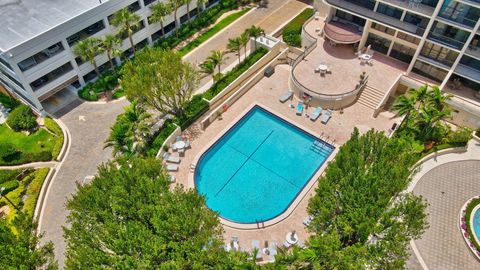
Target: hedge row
(33, 190)
(292, 32)
(8, 101)
(193, 110)
(233, 74)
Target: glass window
(13, 79)
(460, 13)
(419, 21)
(368, 4)
(389, 10)
(429, 71)
(41, 56)
(148, 2)
(378, 43)
(448, 35)
(408, 38)
(383, 29)
(402, 53)
(350, 18)
(439, 53)
(5, 63)
(470, 62)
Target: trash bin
(269, 71)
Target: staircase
(370, 97)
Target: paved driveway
(446, 188)
(89, 126)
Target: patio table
(365, 57)
(179, 144)
(291, 240)
(323, 67)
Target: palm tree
(88, 49)
(126, 21)
(159, 11)
(427, 120)
(420, 95)
(405, 105)
(109, 44)
(175, 4)
(235, 45)
(437, 99)
(201, 4)
(244, 39)
(188, 2)
(208, 68)
(255, 32)
(218, 59)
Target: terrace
(267, 93)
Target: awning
(342, 33)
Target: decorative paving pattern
(446, 188)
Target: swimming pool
(476, 223)
(258, 167)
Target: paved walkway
(46, 164)
(446, 183)
(89, 126)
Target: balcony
(468, 72)
(460, 14)
(370, 14)
(474, 48)
(421, 8)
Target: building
(438, 39)
(37, 37)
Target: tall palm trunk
(94, 63)
(163, 30)
(188, 10)
(109, 55)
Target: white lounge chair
(256, 245)
(235, 244)
(173, 147)
(316, 113)
(299, 108)
(326, 116)
(172, 178)
(172, 167)
(301, 244)
(169, 158)
(287, 244)
(307, 220)
(286, 96)
(273, 250)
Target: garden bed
(466, 226)
(233, 74)
(212, 31)
(293, 30)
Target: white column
(366, 30)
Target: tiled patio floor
(267, 92)
(345, 67)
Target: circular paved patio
(446, 188)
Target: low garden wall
(387, 95)
(170, 139)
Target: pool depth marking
(241, 166)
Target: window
(460, 13)
(350, 18)
(13, 79)
(429, 71)
(439, 53)
(389, 11)
(53, 75)
(448, 35)
(470, 62)
(41, 56)
(148, 2)
(86, 32)
(383, 28)
(368, 4)
(419, 21)
(5, 63)
(408, 38)
(378, 43)
(402, 53)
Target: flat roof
(21, 20)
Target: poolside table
(290, 240)
(180, 145)
(365, 57)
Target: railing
(311, 45)
(348, 37)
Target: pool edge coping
(298, 198)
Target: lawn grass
(37, 146)
(212, 31)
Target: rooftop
(22, 20)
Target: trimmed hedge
(233, 74)
(107, 82)
(204, 19)
(8, 175)
(33, 190)
(9, 186)
(22, 118)
(468, 214)
(292, 32)
(193, 110)
(8, 102)
(53, 127)
(166, 130)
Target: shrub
(33, 190)
(8, 102)
(8, 175)
(22, 118)
(166, 130)
(292, 32)
(107, 82)
(7, 150)
(230, 76)
(53, 127)
(193, 110)
(461, 136)
(9, 186)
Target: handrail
(308, 48)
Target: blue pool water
(258, 167)
(476, 223)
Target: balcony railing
(452, 14)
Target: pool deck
(267, 92)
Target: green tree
(110, 44)
(255, 32)
(208, 68)
(20, 246)
(234, 45)
(161, 80)
(176, 4)
(160, 10)
(362, 218)
(420, 95)
(188, 2)
(22, 118)
(438, 99)
(126, 21)
(88, 49)
(128, 217)
(405, 106)
(244, 40)
(218, 58)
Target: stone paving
(89, 126)
(446, 188)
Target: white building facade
(36, 58)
